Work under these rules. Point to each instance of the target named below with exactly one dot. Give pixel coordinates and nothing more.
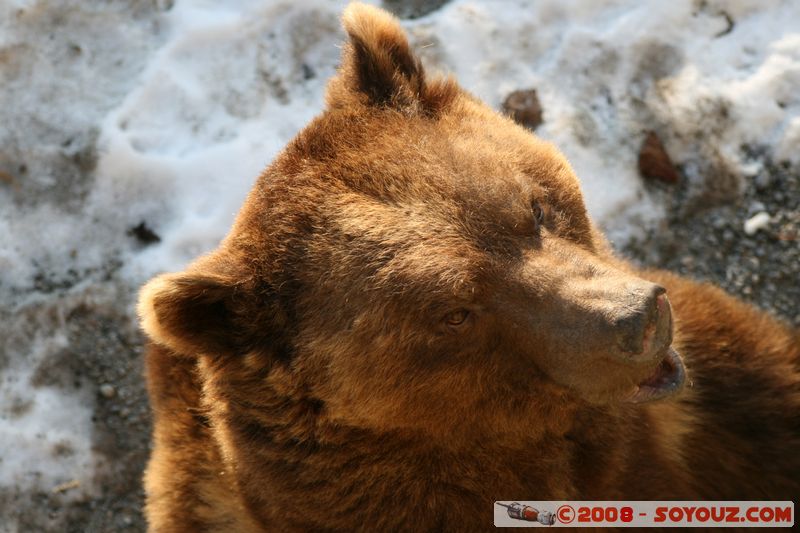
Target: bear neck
(278, 444)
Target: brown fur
(312, 374)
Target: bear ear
(378, 67)
(199, 313)
(192, 314)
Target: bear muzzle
(646, 336)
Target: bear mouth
(668, 378)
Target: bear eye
(538, 213)
(457, 318)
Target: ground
(711, 244)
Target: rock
(523, 106)
(108, 390)
(412, 9)
(144, 234)
(728, 236)
(757, 222)
(763, 181)
(654, 162)
(755, 207)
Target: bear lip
(668, 378)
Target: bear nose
(647, 330)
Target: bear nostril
(658, 294)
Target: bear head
(413, 260)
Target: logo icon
(527, 513)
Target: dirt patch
(103, 350)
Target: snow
(185, 105)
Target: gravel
(103, 347)
(748, 244)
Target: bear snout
(643, 324)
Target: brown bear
(414, 316)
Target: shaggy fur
(413, 316)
